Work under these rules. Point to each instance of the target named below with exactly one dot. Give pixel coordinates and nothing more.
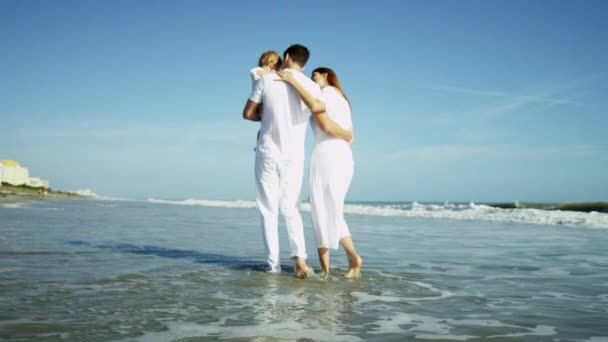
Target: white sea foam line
(440, 328)
(561, 296)
(428, 268)
(512, 305)
(480, 323)
(596, 339)
(389, 275)
(11, 205)
(208, 203)
(268, 297)
(8, 269)
(469, 211)
(31, 321)
(173, 311)
(539, 330)
(90, 194)
(483, 212)
(220, 295)
(444, 337)
(552, 272)
(286, 330)
(391, 324)
(425, 285)
(366, 297)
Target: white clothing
(284, 116)
(253, 73)
(279, 164)
(278, 186)
(331, 172)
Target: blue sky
(452, 100)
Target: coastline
(10, 195)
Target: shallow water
(139, 271)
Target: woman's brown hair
(332, 79)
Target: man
(279, 164)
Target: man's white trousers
(278, 186)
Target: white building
(14, 174)
(36, 182)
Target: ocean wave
(451, 211)
(84, 193)
(88, 193)
(483, 212)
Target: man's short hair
(299, 54)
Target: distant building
(14, 174)
(36, 182)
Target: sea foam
(451, 211)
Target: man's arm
(331, 128)
(252, 111)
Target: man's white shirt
(284, 116)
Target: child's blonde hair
(269, 58)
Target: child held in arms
(269, 61)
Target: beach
(193, 270)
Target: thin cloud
(502, 94)
(433, 153)
(469, 91)
(235, 134)
(453, 153)
(534, 98)
(566, 151)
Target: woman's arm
(331, 128)
(313, 104)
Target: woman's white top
(338, 110)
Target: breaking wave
(452, 211)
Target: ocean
(162, 270)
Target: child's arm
(257, 73)
(262, 72)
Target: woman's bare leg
(324, 259)
(354, 260)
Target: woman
(331, 167)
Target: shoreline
(10, 195)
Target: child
(269, 61)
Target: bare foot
(301, 269)
(354, 270)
